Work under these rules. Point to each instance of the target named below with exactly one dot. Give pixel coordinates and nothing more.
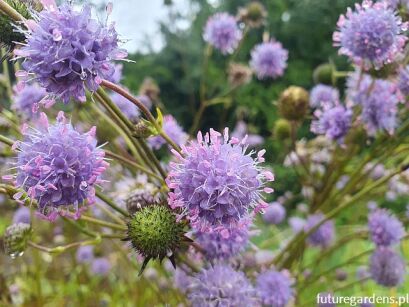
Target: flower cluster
(27, 100)
(324, 235)
(387, 267)
(323, 95)
(269, 60)
(385, 229)
(274, 288)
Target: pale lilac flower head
(67, 51)
(58, 167)
(274, 214)
(130, 110)
(22, 215)
(221, 286)
(173, 130)
(323, 95)
(379, 101)
(222, 32)
(296, 223)
(333, 122)
(85, 254)
(385, 228)
(26, 100)
(100, 266)
(274, 288)
(387, 267)
(403, 80)
(324, 235)
(217, 182)
(269, 60)
(372, 35)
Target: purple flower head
(333, 122)
(372, 35)
(387, 267)
(85, 254)
(27, 99)
(296, 223)
(218, 247)
(173, 130)
(127, 108)
(100, 266)
(379, 101)
(58, 167)
(274, 288)
(323, 95)
(385, 228)
(117, 75)
(324, 235)
(403, 80)
(217, 183)
(269, 60)
(67, 51)
(221, 286)
(222, 32)
(274, 214)
(240, 132)
(22, 215)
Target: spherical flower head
(387, 268)
(323, 95)
(296, 223)
(222, 32)
(26, 100)
(16, 238)
(239, 74)
(379, 101)
(100, 266)
(324, 235)
(216, 183)
(221, 286)
(403, 80)
(22, 215)
(85, 254)
(130, 110)
(68, 51)
(385, 228)
(372, 35)
(269, 60)
(333, 122)
(274, 214)
(58, 167)
(219, 247)
(173, 130)
(274, 288)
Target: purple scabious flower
(379, 101)
(26, 100)
(222, 32)
(100, 266)
(403, 80)
(22, 215)
(385, 228)
(67, 51)
(217, 183)
(274, 288)
(296, 223)
(173, 130)
(221, 286)
(324, 235)
(269, 60)
(58, 167)
(219, 247)
(323, 95)
(130, 110)
(274, 214)
(85, 254)
(372, 35)
(387, 267)
(334, 122)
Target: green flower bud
(282, 129)
(143, 130)
(253, 14)
(16, 239)
(324, 74)
(293, 103)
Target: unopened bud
(16, 239)
(294, 103)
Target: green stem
(6, 140)
(61, 249)
(111, 203)
(6, 73)
(9, 11)
(102, 223)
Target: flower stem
(6, 140)
(9, 11)
(61, 249)
(111, 203)
(102, 223)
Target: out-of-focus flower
(253, 15)
(342, 182)
(403, 80)
(239, 74)
(100, 266)
(293, 103)
(117, 75)
(269, 59)
(58, 167)
(16, 238)
(22, 215)
(220, 285)
(216, 184)
(182, 280)
(85, 254)
(385, 228)
(222, 32)
(372, 35)
(173, 130)
(275, 213)
(323, 95)
(296, 223)
(387, 267)
(324, 235)
(274, 288)
(26, 101)
(282, 129)
(130, 110)
(68, 51)
(150, 89)
(341, 275)
(240, 132)
(142, 197)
